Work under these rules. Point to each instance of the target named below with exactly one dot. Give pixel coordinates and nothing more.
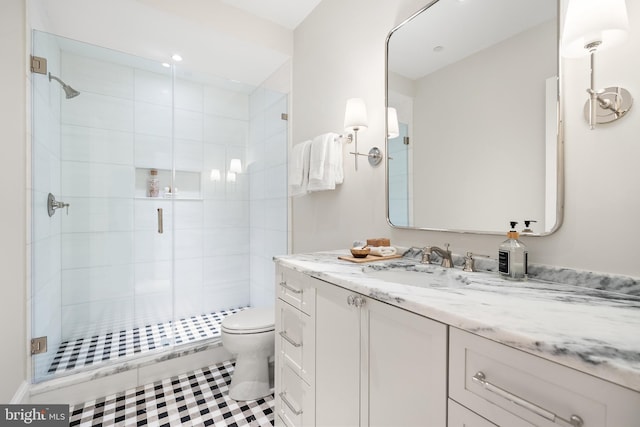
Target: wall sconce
(355, 119)
(231, 176)
(393, 129)
(592, 25)
(235, 166)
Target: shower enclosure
(158, 200)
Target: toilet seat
(250, 321)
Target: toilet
(249, 335)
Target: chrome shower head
(68, 90)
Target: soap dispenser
(512, 256)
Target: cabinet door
(459, 416)
(406, 367)
(337, 357)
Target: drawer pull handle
(294, 290)
(573, 421)
(291, 407)
(288, 339)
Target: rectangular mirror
(475, 85)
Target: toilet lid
(250, 321)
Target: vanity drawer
(296, 289)
(513, 388)
(295, 400)
(296, 340)
(459, 416)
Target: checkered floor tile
(198, 398)
(99, 348)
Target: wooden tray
(369, 258)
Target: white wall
(13, 107)
(339, 53)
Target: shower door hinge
(405, 140)
(38, 345)
(38, 65)
(284, 116)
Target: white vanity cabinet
(294, 349)
(377, 364)
(512, 388)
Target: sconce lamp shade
(393, 129)
(355, 116)
(231, 176)
(235, 166)
(589, 21)
(215, 175)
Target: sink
(437, 277)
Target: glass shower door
(102, 263)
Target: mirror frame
(559, 137)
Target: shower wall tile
(82, 179)
(93, 75)
(258, 213)
(83, 285)
(225, 131)
(99, 111)
(188, 243)
(189, 215)
(275, 214)
(84, 250)
(93, 214)
(47, 170)
(224, 269)
(188, 125)
(226, 103)
(151, 246)
(85, 144)
(187, 304)
(153, 308)
(189, 96)
(153, 151)
(226, 241)
(226, 213)
(153, 119)
(97, 317)
(275, 185)
(47, 320)
(232, 295)
(188, 155)
(275, 153)
(152, 277)
(46, 252)
(153, 88)
(189, 275)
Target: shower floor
(101, 348)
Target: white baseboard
(22, 394)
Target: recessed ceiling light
(166, 65)
(438, 48)
(176, 57)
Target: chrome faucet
(445, 254)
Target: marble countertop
(592, 330)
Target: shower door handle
(160, 225)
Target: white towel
(382, 250)
(325, 169)
(299, 169)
